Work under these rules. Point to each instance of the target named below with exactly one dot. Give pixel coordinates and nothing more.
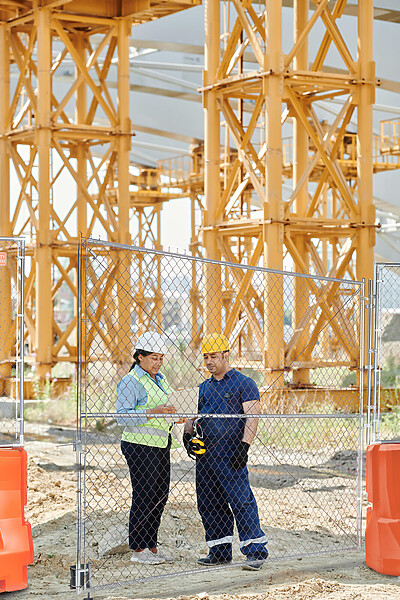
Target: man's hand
(239, 457)
(186, 440)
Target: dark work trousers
(224, 495)
(149, 469)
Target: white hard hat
(151, 341)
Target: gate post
(371, 407)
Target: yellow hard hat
(214, 342)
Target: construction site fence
(305, 463)
(384, 414)
(12, 269)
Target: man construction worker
(222, 479)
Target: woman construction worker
(222, 479)
(146, 443)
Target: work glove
(186, 442)
(239, 457)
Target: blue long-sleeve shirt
(132, 397)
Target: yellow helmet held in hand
(194, 444)
(214, 342)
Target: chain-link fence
(12, 264)
(385, 417)
(294, 342)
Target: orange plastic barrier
(16, 548)
(382, 533)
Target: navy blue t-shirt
(226, 396)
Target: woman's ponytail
(136, 360)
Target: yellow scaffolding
(50, 132)
(254, 89)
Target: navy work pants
(149, 469)
(224, 494)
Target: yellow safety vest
(156, 431)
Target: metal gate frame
(377, 360)
(82, 569)
(15, 246)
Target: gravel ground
(51, 511)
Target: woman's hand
(163, 409)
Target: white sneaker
(166, 557)
(146, 557)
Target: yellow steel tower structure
(254, 89)
(78, 134)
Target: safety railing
(385, 411)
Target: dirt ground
(51, 511)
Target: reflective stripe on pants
(224, 494)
